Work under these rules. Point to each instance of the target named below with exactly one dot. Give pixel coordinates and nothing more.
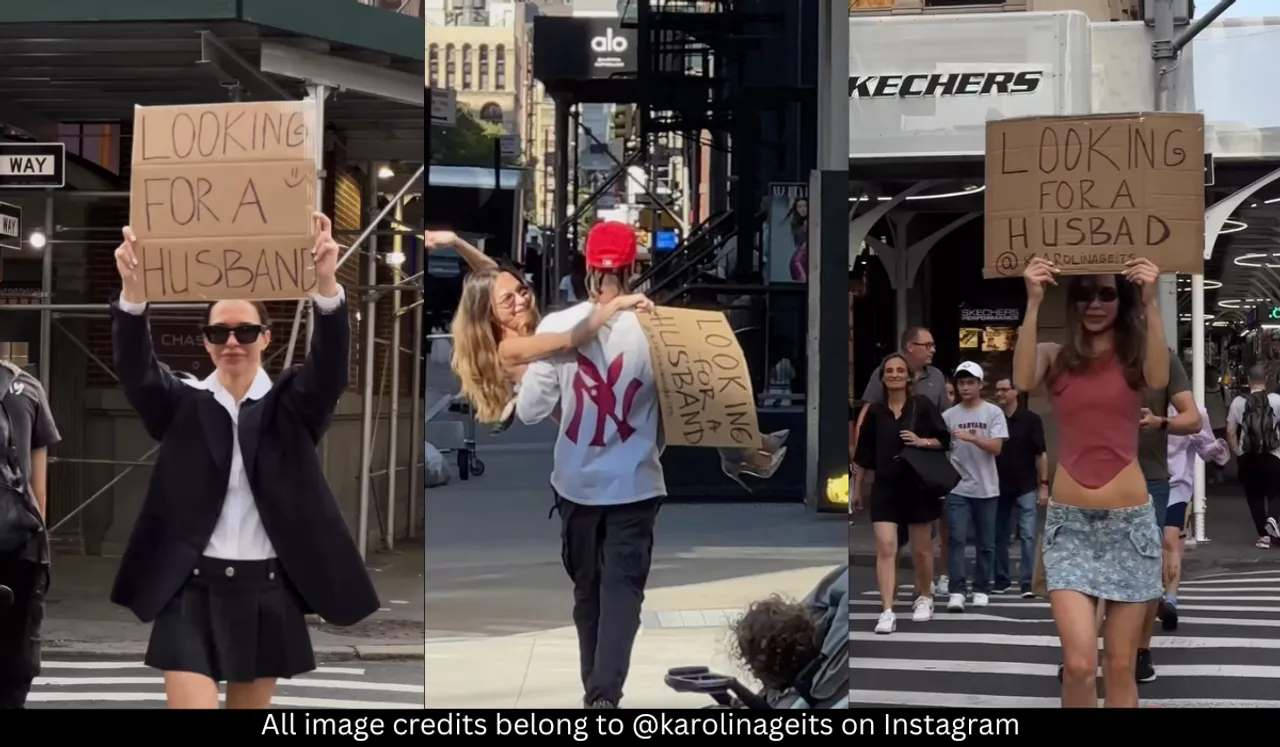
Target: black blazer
(278, 438)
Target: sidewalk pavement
(681, 626)
(1227, 525)
(82, 623)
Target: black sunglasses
(246, 334)
(1105, 294)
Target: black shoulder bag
(18, 522)
(930, 469)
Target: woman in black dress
(904, 419)
(239, 536)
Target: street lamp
(37, 240)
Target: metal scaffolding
(367, 294)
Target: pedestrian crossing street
(1225, 652)
(125, 684)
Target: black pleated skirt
(233, 621)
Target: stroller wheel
(477, 467)
(464, 464)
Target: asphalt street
(1225, 652)
(129, 684)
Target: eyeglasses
(507, 301)
(245, 334)
(1105, 294)
(927, 345)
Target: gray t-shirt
(32, 426)
(932, 386)
(979, 477)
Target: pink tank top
(1097, 414)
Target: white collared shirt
(239, 533)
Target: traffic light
(623, 121)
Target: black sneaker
(1168, 614)
(1000, 588)
(1145, 670)
(602, 704)
(1027, 593)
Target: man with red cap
(607, 477)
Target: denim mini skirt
(1106, 553)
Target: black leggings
(1260, 478)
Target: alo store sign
(925, 86)
(944, 84)
(581, 49)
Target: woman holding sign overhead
(239, 536)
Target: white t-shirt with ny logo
(607, 452)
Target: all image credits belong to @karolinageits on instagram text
(638, 725)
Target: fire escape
(692, 82)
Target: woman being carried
(493, 330)
(1101, 541)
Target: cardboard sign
(1091, 193)
(222, 199)
(702, 377)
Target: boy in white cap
(978, 432)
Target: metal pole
(46, 288)
(1165, 47)
(319, 94)
(367, 323)
(416, 427)
(393, 430)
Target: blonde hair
(475, 347)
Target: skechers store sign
(927, 85)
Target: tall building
(479, 48)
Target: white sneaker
(955, 603)
(979, 599)
(887, 623)
(922, 610)
(943, 584)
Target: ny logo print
(588, 384)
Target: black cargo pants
(606, 551)
(20, 618)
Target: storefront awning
(90, 61)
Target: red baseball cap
(610, 246)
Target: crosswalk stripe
(352, 671)
(971, 700)
(1006, 654)
(387, 687)
(279, 702)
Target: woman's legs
(922, 557)
(1121, 633)
(886, 562)
(254, 695)
(188, 690)
(1074, 613)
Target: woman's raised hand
(325, 253)
(1143, 273)
(440, 240)
(1038, 273)
(127, 266)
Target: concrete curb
(324, 654)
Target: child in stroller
(799, 652)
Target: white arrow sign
(444, 107)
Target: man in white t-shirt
(606, 474)
(1252, 422)
(978, 432)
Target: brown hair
(1130, 334)
(911, 381)
(263, 317)
(475, 345)
(775, 640)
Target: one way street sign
(33, 165)
(10, 226)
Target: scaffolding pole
(393, 430)
(367, 324)
(416, 427)
(46, 290)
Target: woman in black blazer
(239, 536)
